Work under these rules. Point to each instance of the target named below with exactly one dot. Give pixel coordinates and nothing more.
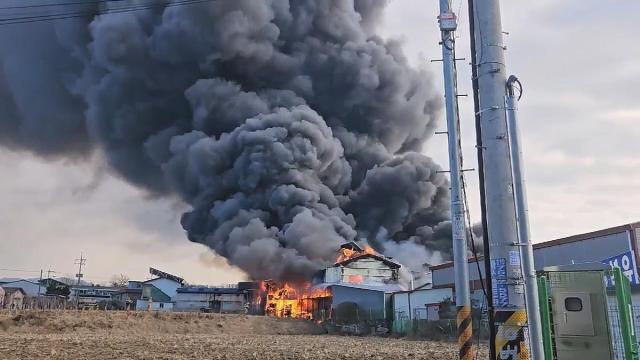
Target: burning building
(357, 287)
(364, 266)
(287, 128)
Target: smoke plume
(289, 127)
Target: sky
(578, 63)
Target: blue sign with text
(499, 269)
(501, 294)
(627, 263)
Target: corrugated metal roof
(10, 290)
(206, 290)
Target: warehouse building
(212, 299)
(617, 246)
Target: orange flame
(287, 300)
(348, 254)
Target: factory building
(617, 246)
(90, 297)
(212, 299)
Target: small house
(14, 298)
(157, 293)
(30, 288)
(126, 298)
(358, 266)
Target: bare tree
(120, 280)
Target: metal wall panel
(369, 301)
(584, 251)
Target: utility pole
(448, 26)
(80, 262)
(481, 178)
(513, 328)
(40, 283)
(522, 218)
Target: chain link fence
(616, 329)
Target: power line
(119, 9)
(95, 2)
(21, 270)
(126, 7)
(70, 15)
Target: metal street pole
(512, 325)
(481, 178)
(522, 218)
(448, 25)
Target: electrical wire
(117, 10)
(94, 2)
(480, 48)
(459, 13)
(124, 8)
(21, 270)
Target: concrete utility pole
(448, 25)
(513, 327)
(80, 262)
(40, 283)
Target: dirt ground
(140, 335)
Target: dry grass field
(139, 335)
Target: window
(573, 304)
(161, 305)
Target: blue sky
(579, 64)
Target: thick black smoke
(288, 126)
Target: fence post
(543, 295)
(625, 311)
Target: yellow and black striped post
(511, 338)
(465, 333)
